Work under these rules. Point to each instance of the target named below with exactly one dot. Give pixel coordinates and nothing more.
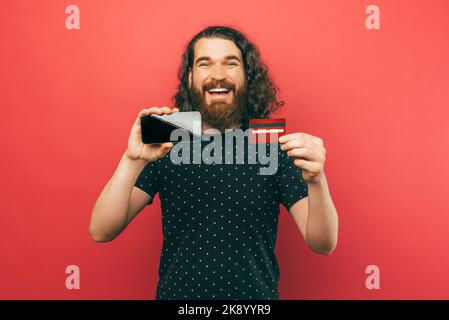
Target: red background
(378, 98)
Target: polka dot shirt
(220, 225)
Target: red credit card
(266, 130)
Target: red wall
(378, 98)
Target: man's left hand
(309, 154)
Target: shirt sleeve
(148, 180)
(292, 186)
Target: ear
(190, 78)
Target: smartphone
(158, 129)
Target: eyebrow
(205, 58)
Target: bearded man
(220, 221)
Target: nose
(218, 73)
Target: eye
(232, 64)
(203, 65)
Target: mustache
(219, 84)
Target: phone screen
(155, 130)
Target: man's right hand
(147, 152)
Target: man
(220, 221)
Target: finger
(144, 111)
(165, 148)
(296, 143)
(305, 153)
(292, 136)
(287, 137)
(318, 141)
(155, 110)
(175, 109)
(302, 153)
(309, 166)
(167, 145)
(300, 135)
(141, 114)
(165, 110)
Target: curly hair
(261, 98)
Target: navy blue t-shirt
(220, 225)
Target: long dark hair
(261, 91)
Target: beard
(220, 115)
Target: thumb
(165, 148)
(167, 145)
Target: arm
(317, 218)
(120, 201)
(111, 213)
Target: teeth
(219, 90)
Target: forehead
(215, 48)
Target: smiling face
(217, 82)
